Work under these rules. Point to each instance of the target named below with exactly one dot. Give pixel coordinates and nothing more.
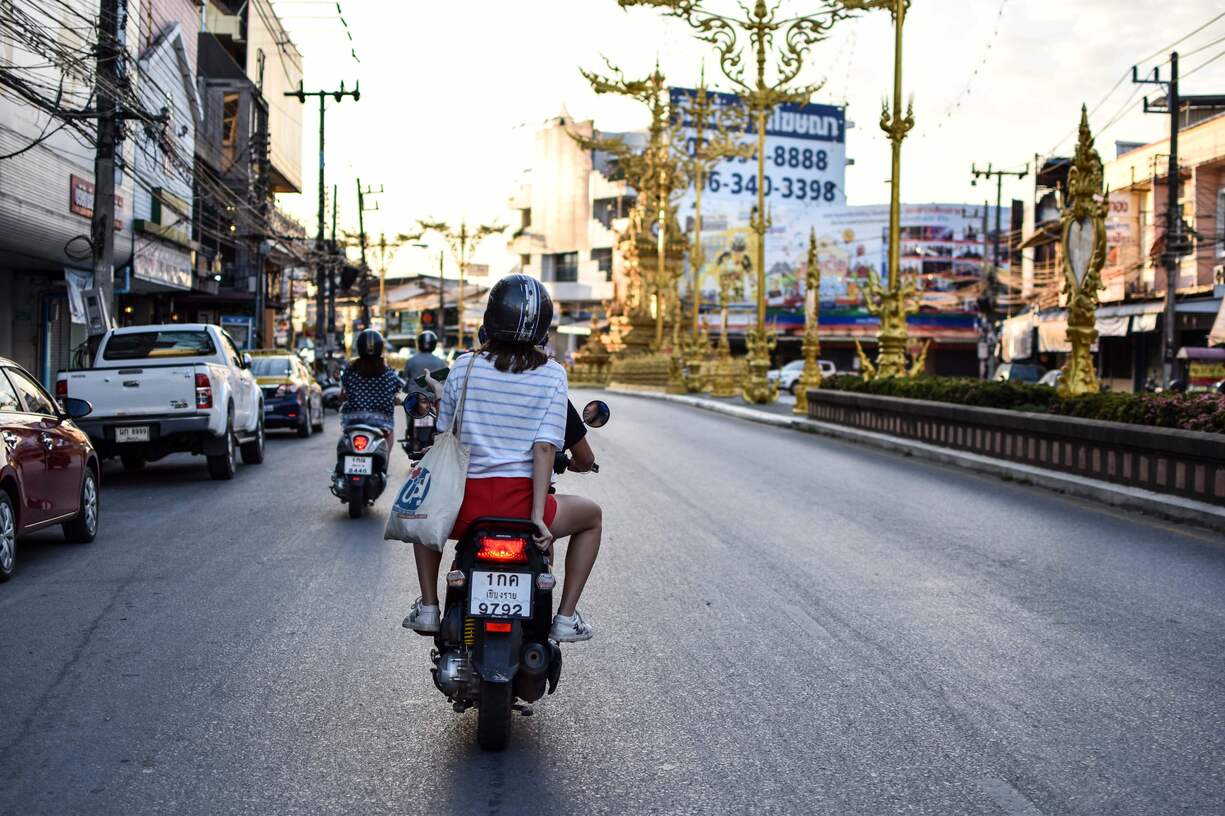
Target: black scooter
(493, 646)
(362, 455)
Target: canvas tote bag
(426, 506)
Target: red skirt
(509, 497)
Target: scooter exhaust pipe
(533, 667)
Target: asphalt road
(786, 624)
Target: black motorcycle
(362, 455)
(493, 647)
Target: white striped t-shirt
(505, 414)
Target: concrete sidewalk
(1162, 505)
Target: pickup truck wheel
(253, 451)
(222, 466)
(307, 426)
(8, 537)
(132, 463)
(84, 528)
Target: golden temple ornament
(1083, 241)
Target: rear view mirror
(246, 360)
(76, 408)
(596, 414)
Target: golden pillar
(1084, 253)
(810, 377)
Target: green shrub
(1191, 412)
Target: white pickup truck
(158, 390)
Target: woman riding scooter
(514, 421)
(370, 389)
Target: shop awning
(1201, 354)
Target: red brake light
(505, 549)
(497, 626)
(204, 391)
(360, 442)
(61, 389)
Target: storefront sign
(163, 264)
(81, 200)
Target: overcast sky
(451, 91)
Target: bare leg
(428, 563)
(582, 520)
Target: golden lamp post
(657, 172)
(460, 239)
(708, 151)
(810, 377)
(788, 41)
(1084, 253)
(896, 300)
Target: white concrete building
(564, 234)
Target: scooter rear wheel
(357, 503)
(493, 716)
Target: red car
(48, 469)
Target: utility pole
(322, 261)
(1176, 244)
(332, 263)
(112, 74)
(999, 193)
(361, 232)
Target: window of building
(561, 267)
(229, 120)
(525, 261)
(605, 210)
(260, 60)
(604, 258)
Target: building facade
(564, 219)
(1130, 320)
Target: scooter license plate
(500, 595)
(423, 422)
(359, 465)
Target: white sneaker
(423, 619)
(570, 629)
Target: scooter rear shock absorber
(469, 631)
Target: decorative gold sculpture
(1084, 254)
(460, 240)
(788, 40)
(658, 175)
(721, 123)
(810, 377)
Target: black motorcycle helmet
(370, 344)
(427, 341)
(519, 311)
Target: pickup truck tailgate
(136, 390)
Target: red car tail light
(503, 549)
(61, 389)
(360, 442)
(204, 391)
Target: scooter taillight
(360, 442)
(502, 548)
